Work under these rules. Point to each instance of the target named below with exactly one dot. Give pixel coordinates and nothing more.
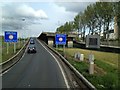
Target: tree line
(97, 18)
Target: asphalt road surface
(39, 70)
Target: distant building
(115, 28)
(74, 31)
(111, 34)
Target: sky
(33, 17)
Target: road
(38, 70)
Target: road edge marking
(15, 64)
(66, 82)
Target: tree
(60, 29)
(117, 14)
(118, 20)
(98, 16)
(90, 18)
(108, 12)
(82, 25)
(76, 23)
(66, 28)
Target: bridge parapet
(49, 38)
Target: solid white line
(66, 82)
(15, 64)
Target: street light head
(23, 19)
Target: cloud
(27, 11)
(19, 16)
(27, 16)
(74, 6)
(62, 15)
(53, 0)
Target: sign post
(7, 47)
(64, 50)
(14, 47)
(60, 39)
(92, 41)
(19, 39)
(10, 36)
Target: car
(32, 41)
(31, 48)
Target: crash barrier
(13, 60)
(77, 73)
(104, 48)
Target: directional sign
(60, 39)
(10, 36)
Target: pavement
(39, 70)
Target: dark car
(32, 41)
(31, 48)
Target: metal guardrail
(77, 73)
(13, 60)
(104, 48)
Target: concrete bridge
(49, 38)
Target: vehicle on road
(31, 48)
(32, 41)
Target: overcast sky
(32, 18)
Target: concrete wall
(49, 38)
(70, 44)
(50, 42)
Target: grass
(106, 69)
(110, 58)
(4, 56)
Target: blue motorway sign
(10, 36)
(60, 39)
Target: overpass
(49, 38)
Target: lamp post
(24, 30)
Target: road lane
(38, 70)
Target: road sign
(60, 39)
(93, 41)
(10, 36)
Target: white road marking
(15, 64)
(66, 82)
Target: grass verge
(4, 55)
(106, 67)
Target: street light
(23, 19)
